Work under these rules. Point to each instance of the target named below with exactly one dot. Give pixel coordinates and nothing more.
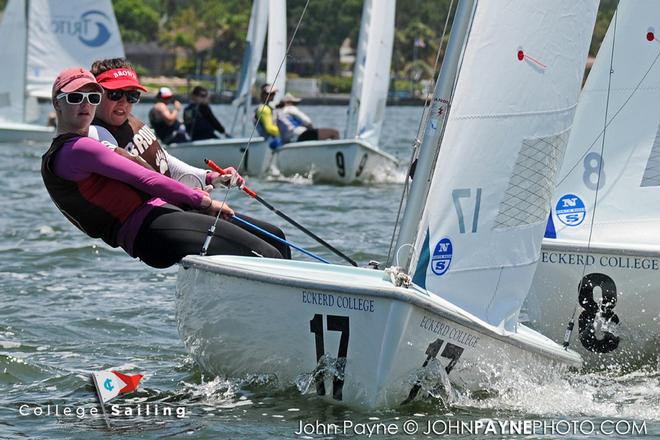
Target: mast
(433, 133)
(247, 108)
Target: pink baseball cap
(73, 78)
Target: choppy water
(70, 305)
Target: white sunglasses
(93, 98)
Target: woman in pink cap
(107, 196)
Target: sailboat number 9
(341, 164)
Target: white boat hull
(632, 275)
(21, 133)
(226, 152)
(336, 161)
(245, 316)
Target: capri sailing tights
(168, 234)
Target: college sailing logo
(92, 28)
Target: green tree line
(323, 28)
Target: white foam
(9, 344)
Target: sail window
(651, 175)
(527, 197)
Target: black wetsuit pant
(168, 234)
(311, 134)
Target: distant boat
(39, 39)
(469, 241)
(356, 158)
(231, 151)
(605, 231)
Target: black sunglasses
(132, 96)
(93, 98)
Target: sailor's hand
(206, 189)
(177, 105)
(213, 207)
(222, 208)
(230, 177)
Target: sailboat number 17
(466, 193)
(337, 324)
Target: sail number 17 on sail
(465, 193)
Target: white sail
(489, 198)
(627, 213)
(254, 46)
(371, 74)
(358, 73)
(13, 40)
(275, 60)
(66, 34)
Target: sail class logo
(92, 28)
(571, 210)
(441, 258)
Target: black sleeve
(206, 112)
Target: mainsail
(12, 79)
(371, 74)
(489, 197)
(254, 46)
(65, 34)
(42, 37)
(276, 52)
(623, 89)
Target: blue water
(70, 305)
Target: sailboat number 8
(592, 310)
(593, 166)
